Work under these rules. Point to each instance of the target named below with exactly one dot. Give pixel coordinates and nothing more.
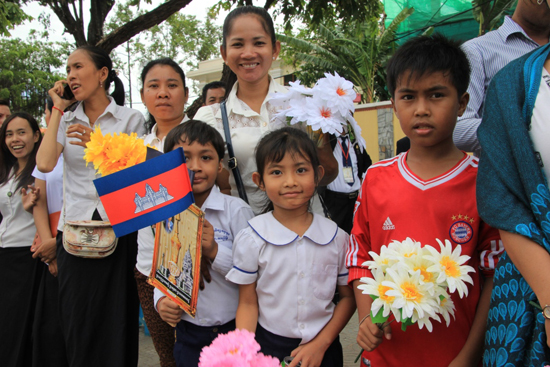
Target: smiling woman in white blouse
(19, 139)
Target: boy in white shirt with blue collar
(225, 217)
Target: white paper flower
(447, 307)
(425, 321)
(337, 92)
(381, 261)
(449, 265)
(321, 117)
(411, 294)
(375, 287)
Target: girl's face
(83, 76)
(20, 139)
(290, 183)
(164, 94)
(249, 51)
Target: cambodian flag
(147, 193)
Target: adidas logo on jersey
(388, 225)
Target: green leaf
(378, 318)
(407, 322)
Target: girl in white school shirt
(249, 47)
(98, 300)
(289, 260)
(19, 272)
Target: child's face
(427, 108)
(204, 161)
(290, 183)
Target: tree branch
(98, 13)
(268, 4)
(72, 25)
(145, 21)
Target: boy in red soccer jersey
(425, 193)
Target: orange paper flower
(113, 153)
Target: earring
(540, 2)
(273, 57)
(100, 84)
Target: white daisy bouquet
(415, 283)
(327, 108)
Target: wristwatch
(546, 312)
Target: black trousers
(281, 347)
(99, 306)
(20, 278)
(341, 207)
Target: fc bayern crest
(461, 232)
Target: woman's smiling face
(249, 51)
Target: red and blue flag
(147, 193)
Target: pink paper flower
(237, 348)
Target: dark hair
(163, 61)
(49, 103)
(195, 130)
(265, 19)
(4, 102)
(211, 85)
(102, 59)
(9, 161)
(426, 55)
(275, 145)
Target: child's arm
(471, 352)
(311, 354)
(369, 335)
(47, 249)
(247, 311)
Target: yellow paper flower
(113, 153)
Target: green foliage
(11, 15)
(490, 14)
(27, 71)
(315, 12)
(183, 38)
(357, 51)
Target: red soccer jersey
(395, 204)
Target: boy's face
(427, 108)
(204, 161)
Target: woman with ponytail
(97, 297)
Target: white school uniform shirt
(247, 128)
(540, 123)
(217, 303)
(339, 184)
(295, 276)
(54, 185)
(81, 198)
(17, 228)
(146, 237)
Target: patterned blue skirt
(516, 336)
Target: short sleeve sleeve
(206, 114)
(39, 175)
(342, 239)
(246, 252)
(490, 248)
(61, 136)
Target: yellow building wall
(366, 116)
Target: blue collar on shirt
(80, 115)
(321, 231)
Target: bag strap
(232, 163)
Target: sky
(198, 8)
